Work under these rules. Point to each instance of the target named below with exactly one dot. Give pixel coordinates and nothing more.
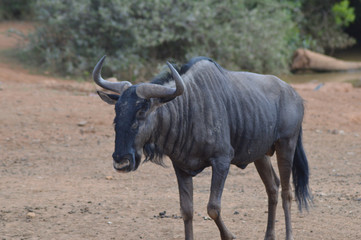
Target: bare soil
(57, 180)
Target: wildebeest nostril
(127, 157)
(118, 158)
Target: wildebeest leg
(185, 186)
(285, 149)
(272, 183)
(220, 168)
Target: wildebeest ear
(108, 98)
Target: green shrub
(138, 35)
(343, 13)
(73, 35)
(250, 35)
(323, 23)
(16, 9)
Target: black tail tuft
(300, 173)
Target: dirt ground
(57, 179)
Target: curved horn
(179, 84)
(158, 91)
(117, 87)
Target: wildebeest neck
(190, 126)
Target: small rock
(236, 213)
(175, 216)
(206, 218)
(30, 215)
(162, 214)
(335, 131)
(82, 123)
(322, 194)
(87, 130)
(109, 178)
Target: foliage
(344, 14)
(138, 35)
(72, 34)
(323, 24)
(16, 9)
(252, 35)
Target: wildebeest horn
(147, 90)
(117, 87)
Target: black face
(130, 112)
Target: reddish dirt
(57, 180)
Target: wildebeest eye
(141, 114)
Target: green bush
(16, 9)
(250, 35)
(323, 24)
(73, 35)
(343, 13)
(138, 35)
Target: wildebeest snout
(123, 163)
(122, 158)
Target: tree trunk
(304, 59)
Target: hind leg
(271, 182)
(285, 149)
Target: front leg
(185, 186)
(220, 168)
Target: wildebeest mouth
(124, 166)
(127, 165)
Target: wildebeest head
(132, 107)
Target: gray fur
(236, 114)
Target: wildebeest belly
(251, 150)
(248, 150)
(254, 129)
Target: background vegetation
(137, 36)
(16, 9)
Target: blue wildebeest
(202, 115)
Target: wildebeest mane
(165, 76)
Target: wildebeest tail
(300, 173)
